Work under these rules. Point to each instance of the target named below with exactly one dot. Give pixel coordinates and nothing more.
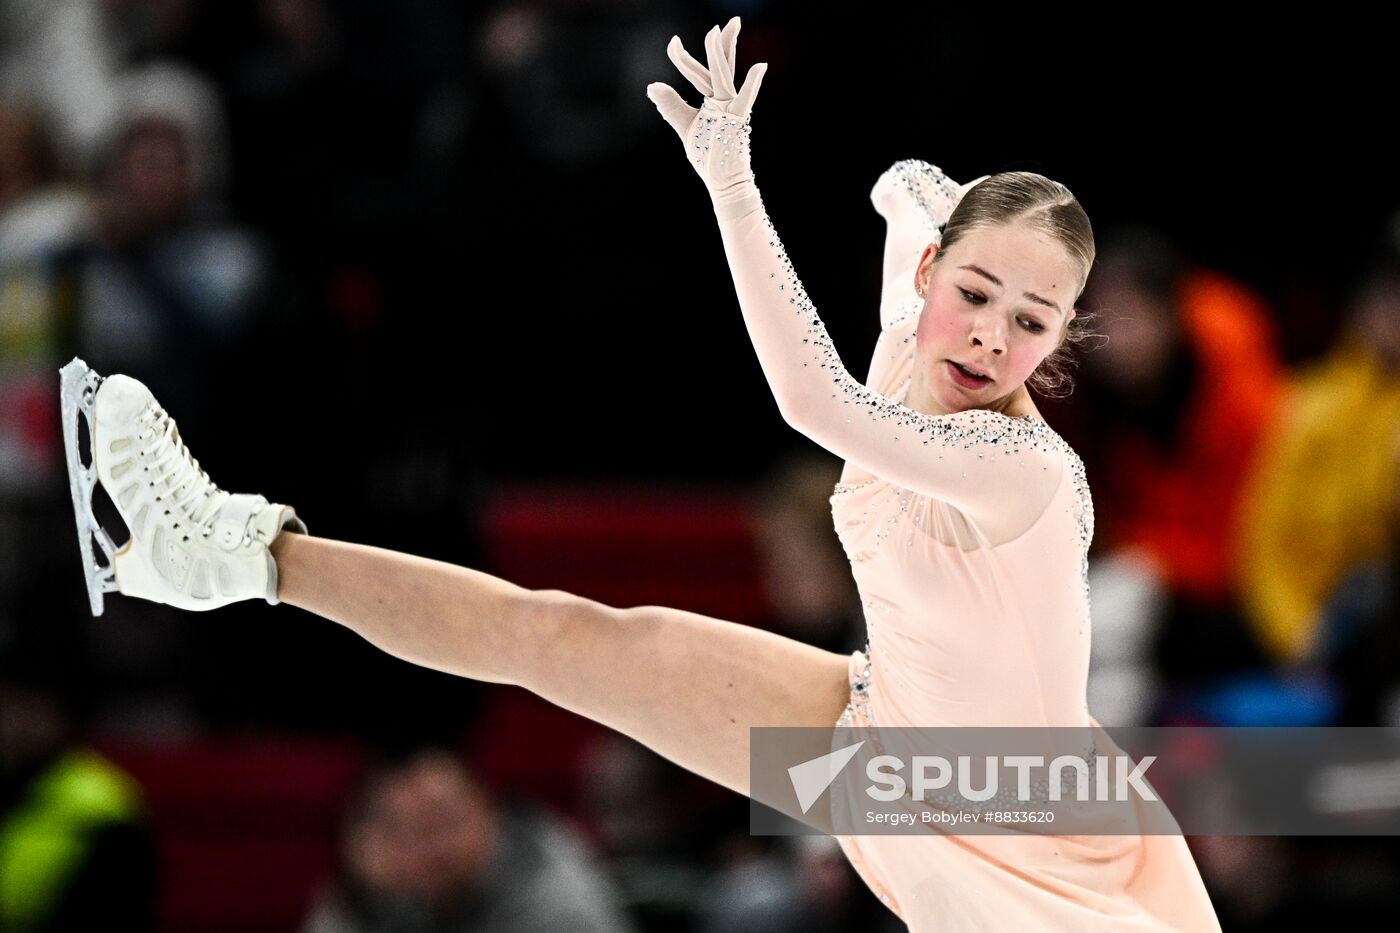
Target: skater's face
(998, 301)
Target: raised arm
(916, 199)
(999, 471)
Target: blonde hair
(1051, 208)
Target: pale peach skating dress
(967, 536)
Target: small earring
(920, 290)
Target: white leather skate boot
(192, 544)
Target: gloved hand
(716, 135)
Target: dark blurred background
(438, 275)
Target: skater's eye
(972, 298)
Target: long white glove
(999, 472)
(716, 134)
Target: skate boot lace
(187, 486)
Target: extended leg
(685, 685)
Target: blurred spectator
(805, 885)
(60, 54)
(654, 828)
(69, 57)
(1323, 501)
(39, 211)
(1169, 413)
(426, 848)
(170, 280)
(76, 850)
(1188, 380)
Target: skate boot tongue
(189, 487)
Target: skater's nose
(988, 335)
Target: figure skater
(966, 520)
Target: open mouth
(966, 377)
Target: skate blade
(78, 389)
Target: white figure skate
(192, 545)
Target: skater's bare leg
(686, 685)
(435, 614)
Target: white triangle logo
(811, 778)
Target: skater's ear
(923, 272)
